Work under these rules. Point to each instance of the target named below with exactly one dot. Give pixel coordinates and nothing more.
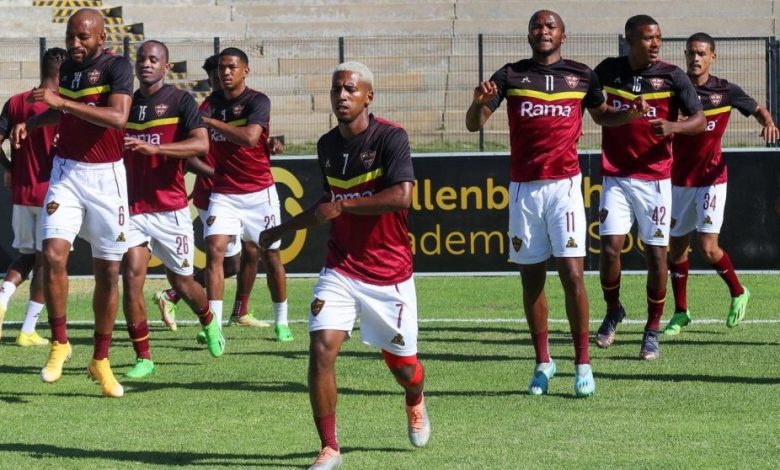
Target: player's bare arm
(694, 124)
(609, 116)
(195, 145)
(478, 114)
(391, 199)
(113, 116)
(4, 160)
(20, 131)
(769, 131)
(246, 136)
(199, 167)
(305, 219)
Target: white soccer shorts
(234, 243)
(698, 208)
(546, 217)
(26, 222)
(624, 200)
(170, 237)
(246, 215)
(88, 200)
(388, 314)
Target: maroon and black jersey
(241, 170)
(371, 248)
(32, 162)
(632, 150)
(91, 83)
(697, 158)
(545, 104)
(201, 190)
(155, 183)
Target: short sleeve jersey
(31, 162)
(241, 170)
(201, 190)
(371, 248)
(155, 183)
(697, 158)
(91, 83)
(632, 150)
(545, 104)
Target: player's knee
(572, 280)
(611, 251)
(710, 250)
(54, 258)
(407, 369)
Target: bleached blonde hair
(365, 73)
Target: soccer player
(163, 130)
(636, 168)
(699, 181)
(87, 192)
(167, 299)
(368, 179)
(27, 175)
(546, 96)
(243, 201)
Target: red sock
(205, 315)
(102, 343)
(680, 285)
(541, 346)
(726, 271)
(241, 305)
(611, 290)
(59, 331)
(326, 428)
(139, 335)
(172, 295)
(581, 341)
(655, 308)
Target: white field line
(697, 321)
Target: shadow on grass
(722, 379)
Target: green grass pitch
(710, 401)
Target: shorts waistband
(68, 163)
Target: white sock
(6, 291)
(280, 313)
(31, 318)
(216, 308)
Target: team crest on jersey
(707, 220)
(237, 109)
(658, 233)
(121, 237)
(603, 213)
(657, 83)
(525, 80)
(517, 243)
(572, 80)
(316, 306)
(398, 340)
(367, 158)
(210, 220)
(52, 207)
(93, 76)
(160, 109)
(571, 243)
(673, 223)
(716, 98)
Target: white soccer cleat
(327, 459)
(419, 426)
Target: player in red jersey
(699, 181)
(243, 201)
(87, 194)
(636, 166)
(27, 176)
(368, 180)
(163, 130)
(546, 96)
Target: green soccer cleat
(215, 342)
(737, 309)
(678, 321)
(201, 338)
(142, 368)
(283, 333)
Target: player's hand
(485, 92)
(328, 211)
(7, 179)
(637, 108)
(269, 236)
(770, 133)
(141, 146)
(45, 95)
(18, 134)
(662, 127)
(276, 146)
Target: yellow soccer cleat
(58, 355)
(248, 320)
(100, 371)
(2, 317)
(27, 340)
